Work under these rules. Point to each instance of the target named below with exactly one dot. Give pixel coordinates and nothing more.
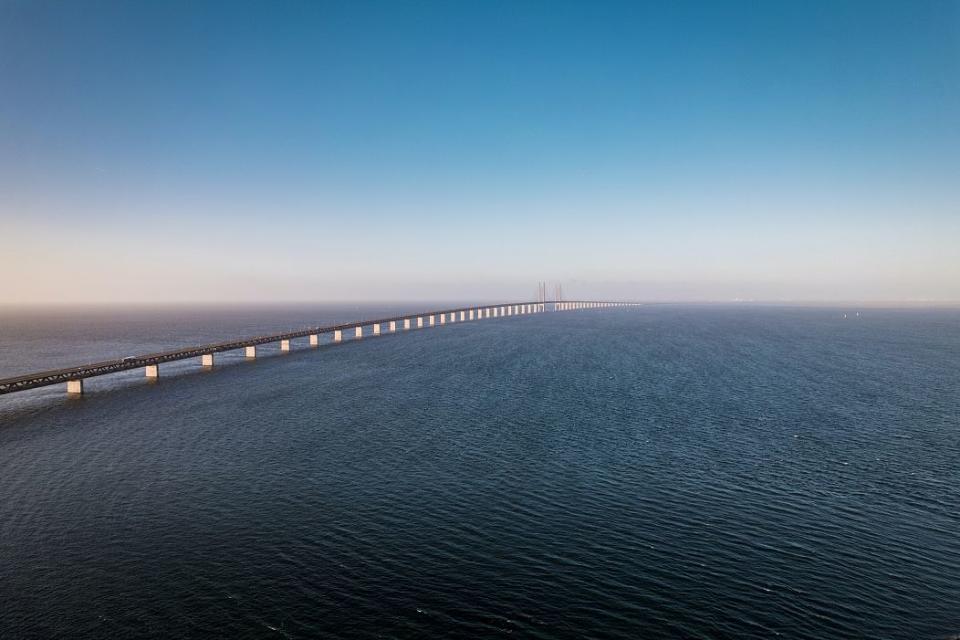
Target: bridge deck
(45, 378)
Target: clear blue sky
(411, 150)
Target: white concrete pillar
(393, 325)
(495, 310)
(406, 323)
(337, 335)
(358, 332)
(314, 340)
(432, 321)
(206, 360)
(376, 329)
(75, 387)
(463, 316)
(284, 345)
(419, 323)
(250, 352)
(443, 318)
(152, 371)
(502, 311)
(471, 314)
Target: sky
(156, 152)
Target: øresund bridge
(74, 376)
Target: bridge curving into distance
(74, 376)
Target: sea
(664, 471)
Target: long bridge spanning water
(74, 376)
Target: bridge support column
(406, 323)
(463, 316)
(250, 352)
(314, 340)
(419, 323)
(471, 314)
(443, 318)
(284, 345)
(358, 332)
(432, 322)
(206, 360)
(376, 329)
(75, 387)
(337, 335)
(152, 370)
(393, 326)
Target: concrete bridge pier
(406, 323)
(470, 314)
(284, 345)
(432, 320)
(443, 318)
(393, 326)
(419, 323)
(463, 316)
(358, 332)
(376, 329)
(314, 340)
(152, 370)
(337, 335)
(250, 352)
(206, 360)
(75, 387)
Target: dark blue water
(667, 472)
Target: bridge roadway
(74, 376)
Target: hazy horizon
(694, 152)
